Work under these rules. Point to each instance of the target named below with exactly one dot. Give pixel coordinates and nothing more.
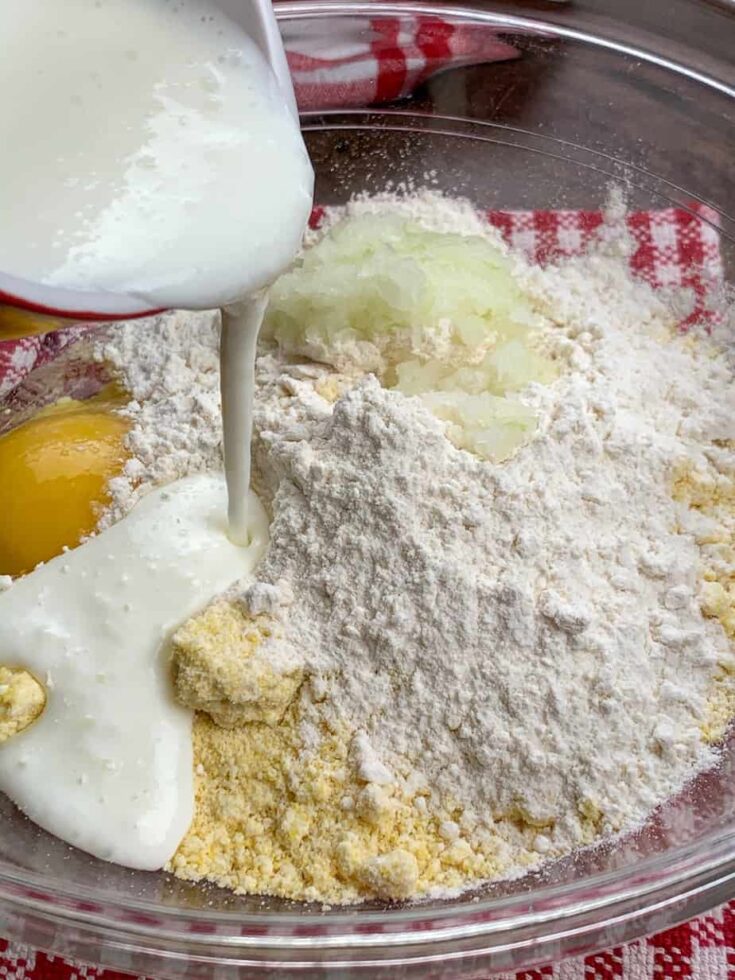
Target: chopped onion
(436, 315)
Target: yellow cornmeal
(272, 817)
(711, 492)
(217, 668)
(269, 821)
(22, 699)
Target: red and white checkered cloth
(347, 69)
(703, 949)
(673, 247)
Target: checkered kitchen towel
(673, 247)
(345, 69)
(703, 949)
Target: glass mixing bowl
(583, 102)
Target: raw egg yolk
(54, 471)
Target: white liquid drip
(238, 346)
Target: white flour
(170, 367)
(526, 637)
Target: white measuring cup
(28, 308)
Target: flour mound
(487, 625)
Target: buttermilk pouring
(156, 164)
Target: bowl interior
(552, 126)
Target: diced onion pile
(435, 315)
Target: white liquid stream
(163, 165)
(238, 344)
